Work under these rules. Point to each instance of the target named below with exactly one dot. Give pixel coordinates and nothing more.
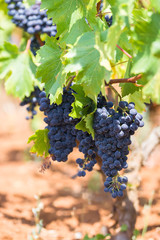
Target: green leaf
(128, 70)
(18, 70)
(155, 49)
(152, 89)
(84, 108)
(124, 43)
(156, 5)
(55, 88)
(86, 237)
(61, 12)
(77, 29)
(124, 228)
(66, 12)
(84, 58)
(41, 143)
(147, 38)
(136, 233)
(89, 123)
(120, 30)
(113, 37)
(50, 69)
(128, 88)
(82, 104)
(97, 237)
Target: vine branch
(125, 80)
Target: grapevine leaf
(55, 88)
(61, 12)
(50, 69)
(41, 143)
(122, 12)
(84, 57)
(148, 55)
(78, 28)
(18, 70)
(155, 4)
(81, 126)
(124, 44)
(82, 104)
(89, 123)
(128, 88)
(128, 70)
(155, 49)
(97, 237)
(86, 124)
(91, 11)
(66, 12)
(83, 108)
(152, 89)
(113, 37)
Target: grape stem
(125, 80)
(70, 81)
(126, 53)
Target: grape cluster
(115, 185)
(113, 130)
(62, 132)
(88, 148)
(32, 101)
(32, 20)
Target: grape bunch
(113, 130)
(32, 101)
(62, 132)
(32, 20)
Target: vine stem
(27, 46)
(126, 53)
(125, 80)
(70, 81)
